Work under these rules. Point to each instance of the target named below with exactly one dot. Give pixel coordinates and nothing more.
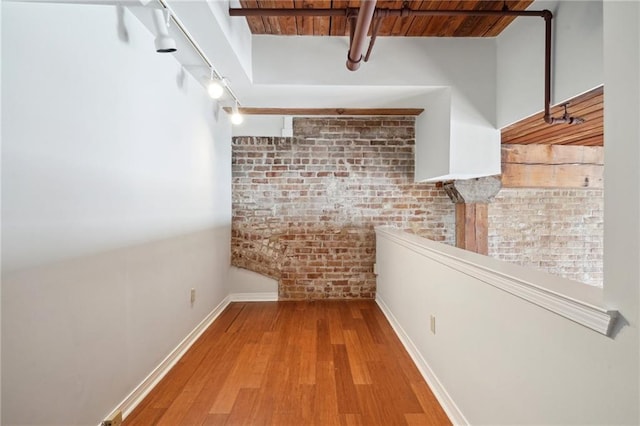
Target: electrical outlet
(375, 269)
(193, 296)
(115, 419)
(433, 324)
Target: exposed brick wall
(558, 231)
(304, 208)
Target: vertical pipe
(547, 66)
(374, 33)
(352, 28)
(365, 15)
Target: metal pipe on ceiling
(352, 27)
(374, 34)
(370, 12)
(363, 22)
(547, 68)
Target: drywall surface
(576, 58)
(622, 180)
(260, 125)
(463, 68)
(227, 42)
(245, 281)
(501, 359)
(505, 361)
(433, 134)
(0, 210)
(116, 202)
(466, 65)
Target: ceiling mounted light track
(217, 85)
(368, 12)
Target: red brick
(310, 223)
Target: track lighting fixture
(216, 85)
(164, 43)
(236, 117)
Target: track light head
(165, 44)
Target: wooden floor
(294, 363)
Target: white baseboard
(449, 406)
(254, 297)
(142, 390)
(138, 394)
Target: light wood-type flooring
(294, 363)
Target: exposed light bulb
(236, 117)
(215, 89)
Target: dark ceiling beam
(379, 12)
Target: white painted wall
(116, 201)
(298, 72)
(433, 133)
(505, 361)
(260, 125)
(576, 58)
(0, 216)
(227, 41)
(236, 32)
(245, 281)
(622, 183)
(467, 67)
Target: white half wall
(498, 359)
(505, 361)
(116, 202)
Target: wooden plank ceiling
(411, 26)
(533, 130)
